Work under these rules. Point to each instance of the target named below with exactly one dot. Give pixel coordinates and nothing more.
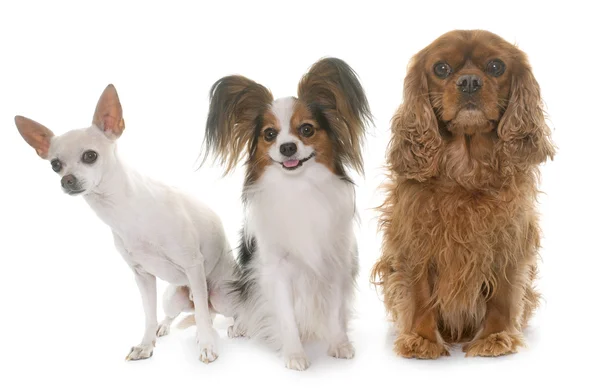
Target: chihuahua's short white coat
(158, 230)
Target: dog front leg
(147, 286)
(206, 335)
(419, 336)
(500, 333)
(337, 324)
(281, 296)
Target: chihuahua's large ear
(109, 113)
(236, 106)
(36, 135)
(333, 93)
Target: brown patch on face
(260, 159)
(468, 55)
(319, 140)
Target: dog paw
(206, 340)
(494, 345)
(235, 332)
(140, 352)
(208, 354)
(163, 329)
(297, 362)
(415, 346)
(343, 350)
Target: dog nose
(469, 84)
(68, 181)
(288, 149)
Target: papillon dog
(158, 230)
(298, 255)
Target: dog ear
(36, 135)
(236, 104)
(332, 91)
(523, 129)
(109, 113)
(414, 148)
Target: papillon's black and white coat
(298, 254)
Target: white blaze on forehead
(283, 109)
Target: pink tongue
(291, 163)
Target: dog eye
(442, 70)
(270, 134)
(56, 165)
(89, 157)
(495, 68)
(307, 130)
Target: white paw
(235, 332)
(208, 354)
(140, 352)
(343, 350)
(206, 340)
(163, 329)
(297, 362)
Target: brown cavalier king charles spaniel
(460, 230)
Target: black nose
(469, 84)
(288, 149)
(68, 182)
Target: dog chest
(301, 215)
(152, 259)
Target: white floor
(76, 323)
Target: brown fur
(460, 230)
(330, 97)
(331, 89)
(320, 141)
(236, 104)
(260, 160)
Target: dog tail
(186, 322)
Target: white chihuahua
(159, 231)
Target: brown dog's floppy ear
(415, 145)
(333, 93)
(236, 104)
(523, 126)
(109, 113)
(36, 135)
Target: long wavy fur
(333, 93)
(236, 103)
(458, 230)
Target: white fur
(283, 109)
(159, 231)
(305, 261)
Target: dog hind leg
(176, 300)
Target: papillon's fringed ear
(36, 135)
(332, 91)
(236, 104)
(109, 113)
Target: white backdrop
(70, 307)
